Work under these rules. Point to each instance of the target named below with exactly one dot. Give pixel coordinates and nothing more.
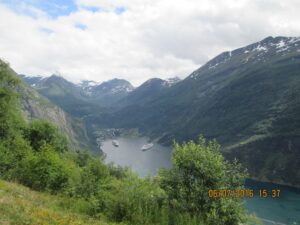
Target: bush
(10, 117)
(197, 168)
(13, 152)
(45, 171)
(118, 171)
(41, 132)
(92, 175)
(137, 201)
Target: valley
(250, 108)
(246, 99)
(153, 112)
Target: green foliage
(137, 201)
(41, 132)
(118, 171)
(45, 170)
(10, 119)
(82, 158)
(91, 178)
(198, 168)
(13, 152)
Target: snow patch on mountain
(121, 88)
(256, 53)
(260, 48)
(171, 81)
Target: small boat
(115, 143)
(147, 146)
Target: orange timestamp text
(244, 193)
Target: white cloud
(151, 38)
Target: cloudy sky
(134, 39)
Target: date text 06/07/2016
(244, 193)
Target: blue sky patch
(93, 9)
(81, 26)
(120, 10)
(53, 8)
(46, 30)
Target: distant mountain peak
(88, 83)
(152, 80)
(33, 81)
(115, 85)
(172, 81)
(257, 53)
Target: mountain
(147, 91)
(144, 92)
(172, 81)
(34, 81)
(80, 99)
(106, 93)
(63, 93)
(35, 106)
(248, 99)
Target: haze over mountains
(248, 99)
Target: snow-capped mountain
(270, 48)
(34, 81)
(87, 87)
(171, 81)
(106, 93)
(103, 94)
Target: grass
(20, 205)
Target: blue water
(129, 154)
(282, 210)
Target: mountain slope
(147, 91)
(247, 99)
(35, 106)
(82, 99)
(106, 93)
(66, 95)
(144, 92)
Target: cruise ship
(115, 143)
(147, 146)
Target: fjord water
(276, 211)
(129, 154)
(284, 210)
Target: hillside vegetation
(85, 190)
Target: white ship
(147, 146)
(115, 143)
